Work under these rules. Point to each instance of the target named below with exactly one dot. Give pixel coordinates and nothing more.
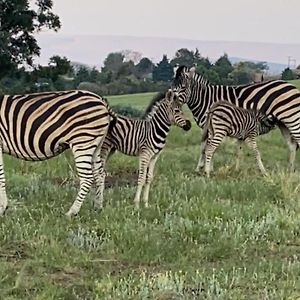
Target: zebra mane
(154, 103)
(182, 72)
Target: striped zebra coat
(226, 119)
(42, 125)
(278, 98)
(144, 138)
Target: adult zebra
(40, 126)
(277, 98)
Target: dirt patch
(123, 178)
(15, 250)
(66, 277)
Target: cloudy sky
(226, 20)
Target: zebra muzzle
(187, 125)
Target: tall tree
(287, 74)
(113, 62)
(18, 24)
(144, 67)
(185, 57)
(163, 71)
(223, 67)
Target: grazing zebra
(278, 98)
(40, 126)
(226, 119)
(145, 138)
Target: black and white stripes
(42, 125)
(226, 119)
(278, 98)
(144, 138)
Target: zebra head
(174, 111)
(182, 82)
(265, 122)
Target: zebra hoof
(98, 208)
(70, 214)
(3, 210)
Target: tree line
(122, 72)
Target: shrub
(127, 110)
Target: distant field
(234, 236)
(137, 100)
(296, 83)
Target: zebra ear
(169, 95)
(192, 72)
(175, 68)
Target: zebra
(226, 119)
(39, 126)
(278, 98)
(145, 138)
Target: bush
(127, 110)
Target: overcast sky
(226, 20)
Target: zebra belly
(26, 155)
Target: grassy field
(234, 236)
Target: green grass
(234, 236)
(296, 82)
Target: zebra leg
(239, 154)
(251, 142)
(201, 161)
(292, 144)
(143, 167)
(149, 179)
(84, 162)
(99, 175)
(3, 196)
(210, 149)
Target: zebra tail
(206, 127)
(113, 115)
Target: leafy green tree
(163, 71)
(144, 67)
(223, 68)
(126, 69)
(287, 74)
(18, 24)
(83, 75)
(244, 72)
(60, 65)
(185, 57)
(94, 75)
(113, 62)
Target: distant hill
(92, 49)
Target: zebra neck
(203, 96)
(160, 122)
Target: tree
(144, 67)
(185, 57)
(61, 65)
(223, 68)
(82, 75)
(94, 75)
(18, 24)
(287, 74)
(245, 71)
(113, 62)
(163, 71)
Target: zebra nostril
(187, 125)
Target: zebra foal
(40, 126)
(226, 119)
(144, 138)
